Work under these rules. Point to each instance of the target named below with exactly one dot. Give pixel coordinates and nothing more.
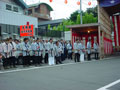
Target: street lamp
(81, 12)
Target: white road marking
(32, 68)
(109, 85)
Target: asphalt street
(77, 76)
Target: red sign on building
(26, 30)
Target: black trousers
(26, 60)
(89, 57)
(96, 55)
(70, 55)
(62, 57)
(5, 62)
(46, 58)
(77, 57)
(12, 61)
(33, 59)
(39, 59)
(58, 60)
(20, 60)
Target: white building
(12, 16)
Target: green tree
(49, 27)
(73, 16)
(78, 19)
(94, 11)
(54, 28)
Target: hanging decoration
(78, 3)
(89, 3)
(66, 1)
(50, 0)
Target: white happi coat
(82, 48)
(25, 48)
(42, 48)
(33, 49)
(96, 47)
(13, 49)
(6, 49)
(76, 47)
(58, 51)
(46, 47)
(69, 48)
(18, 49)
(89, 47)
(37, 49)
(51, 50)
(62, 46)
(51, 54)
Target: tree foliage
(49, 27)
(89, 16)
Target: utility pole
(81, 12)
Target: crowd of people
(39, 51)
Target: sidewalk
(67, 61)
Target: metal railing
(50, 33)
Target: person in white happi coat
(76, 51)
(41, 50)
(69, 48)
(62, 46)
(33, 49)
(51, 53)
(46, 51)
(6, 50)
(89, 49)
(96, 49)
(12, 53)
(18, 51)
(58, 51)
(82, 51)
(37, 52)
(26, 52)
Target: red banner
(26, 30)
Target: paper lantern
(50, 0)
(78, 3)
(66, 1)
(89, 3)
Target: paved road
(80, 76)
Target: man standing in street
(12, 53)
(76, 51)
(46, 51)
(89, 49)
(96, 50)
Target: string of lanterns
(78, 2)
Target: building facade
(12, 16)
(40, 11)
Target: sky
(62, 10)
